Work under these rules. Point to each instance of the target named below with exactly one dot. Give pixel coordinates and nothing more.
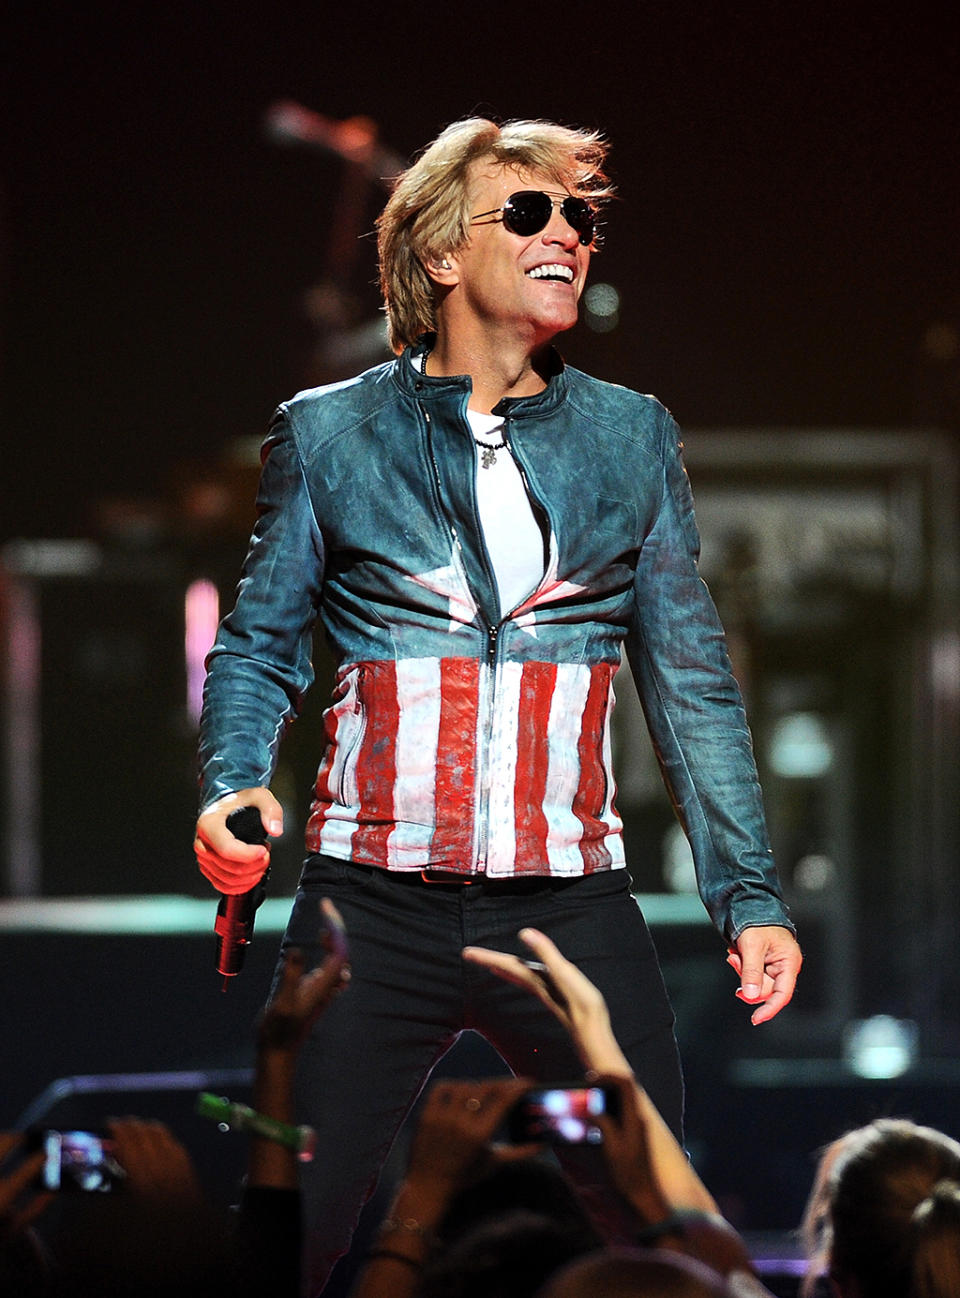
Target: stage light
(800, 746)
(880, 1047)
(201, 616)
(601, 308)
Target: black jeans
(411, 995)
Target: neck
(496, 371)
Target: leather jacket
(457, 738)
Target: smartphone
(562, 1115)
(77, 1160)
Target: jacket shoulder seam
(305, 413)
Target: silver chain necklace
(489, 457)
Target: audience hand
(453, 1137)
(157, 1166)
(567, 992)
(21, 1198)
(300, 998)
(455, 1131)
(580, 1006)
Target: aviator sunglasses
(529, 210)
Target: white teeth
(552, 272)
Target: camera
(562, 1115)
(77, 1160)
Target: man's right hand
(231, 865)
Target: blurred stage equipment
(834, 559)
(98, 789)
(348, 338)
(354, 139)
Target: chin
(559, 321)
(566, 323)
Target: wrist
(673, 1226)
(276, 1061)
(424, 1200)
(403, 1236)
(601, 1052)
(649, 1207)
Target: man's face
(533, 282)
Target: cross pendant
(489, 457)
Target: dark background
(788, 226)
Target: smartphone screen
(78, 1160)
(563, 1115)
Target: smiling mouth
(554, 271)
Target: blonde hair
(426, 215)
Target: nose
(559, 231)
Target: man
(479, 529)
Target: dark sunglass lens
(527, 212)
(578, 213)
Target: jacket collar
(426, 387)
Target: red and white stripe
(442, 763)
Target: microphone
(235, 913)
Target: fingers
(781, 995)
(509, 967)
(488, 1098)
(9, 1141)
(157, 1165)
(300, 998)
(15, 1184)
(314, 990)
(231, 876)
(458, 1121)
(766, 989)
(768, 961)
(563, 971)
(532, 976)
(231, 865)
(475, 1108)
(335, 933)
(538, 976)
(565, 990)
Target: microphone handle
(236, 912)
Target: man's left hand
(767, 960)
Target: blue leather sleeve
(260, 665)
(677, 651)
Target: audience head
(509, 1255)
(634, 1273)
(532, 1184)
(884, 1215)
(509, 1228)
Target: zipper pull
(492, 633)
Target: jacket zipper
(488, 670)
(350, 754)
(487, 698)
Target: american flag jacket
(456, 738)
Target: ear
(442, 270)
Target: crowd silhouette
(474, 1214)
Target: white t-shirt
(513, 537)
(511, 533)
